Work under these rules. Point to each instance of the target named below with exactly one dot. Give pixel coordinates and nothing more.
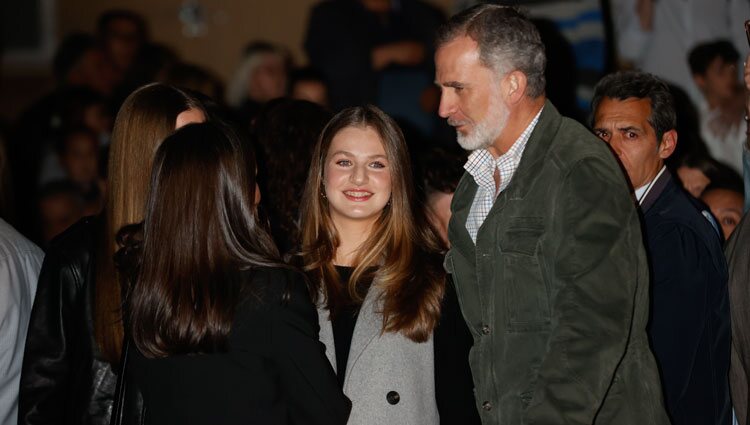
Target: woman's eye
(343, 162)
(377, 164)
(729, 221)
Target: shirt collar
(481, 164)
(642, 192)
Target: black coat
(689, 326)
(274, 371)
(64, 379)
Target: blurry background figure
(308, 84)
(122, 34)
(725, 197)
(722, 103)
(656, 36)
(261, 76)
(60, 204)
(377, 52)
(20, 261)
(78, 153)
(285, 133)
(694, 172)
(441, 171)
(196, 78)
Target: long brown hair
(146, 117)
(401, 247)
(200, 235)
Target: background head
(78, 152)
(309, 84)
(725, 197)
(121, 34)
(633, 112)
(262, 75)
(714, 69)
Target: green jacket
(555, 291)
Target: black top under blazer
(274, 372)
(689, 327)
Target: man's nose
(447, 104)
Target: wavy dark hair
(200, 238)
(285, 133)
(402, 249)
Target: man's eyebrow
(454, 84)
(630, 128)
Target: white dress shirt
(20, 261)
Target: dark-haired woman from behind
(224, 332)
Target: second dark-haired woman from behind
(224, 332)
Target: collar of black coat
(657, 188)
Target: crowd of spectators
(54, 156)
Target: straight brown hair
(402, 248)
(146, 117)
(200, 239)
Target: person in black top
(223, 332)
(389, 317)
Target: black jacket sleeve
(46, 368)
(454, 385)
(307, 379)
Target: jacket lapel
(326, 334)
(460, 206)
(532, 159)
(369, 325)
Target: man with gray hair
(546, 248)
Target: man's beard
(483, 134)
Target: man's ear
(514, 87)
(668, 144)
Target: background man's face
(624, 125)
(470, 98)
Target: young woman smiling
(390, 323)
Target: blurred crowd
(56, 166)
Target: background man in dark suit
(689, 325)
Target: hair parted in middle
(200, 233)
(401, 253)
(507, 41)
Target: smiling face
(471, 96)
(356, 176)
(624, 125)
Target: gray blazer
(381, 364)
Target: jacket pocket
(526, 293)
